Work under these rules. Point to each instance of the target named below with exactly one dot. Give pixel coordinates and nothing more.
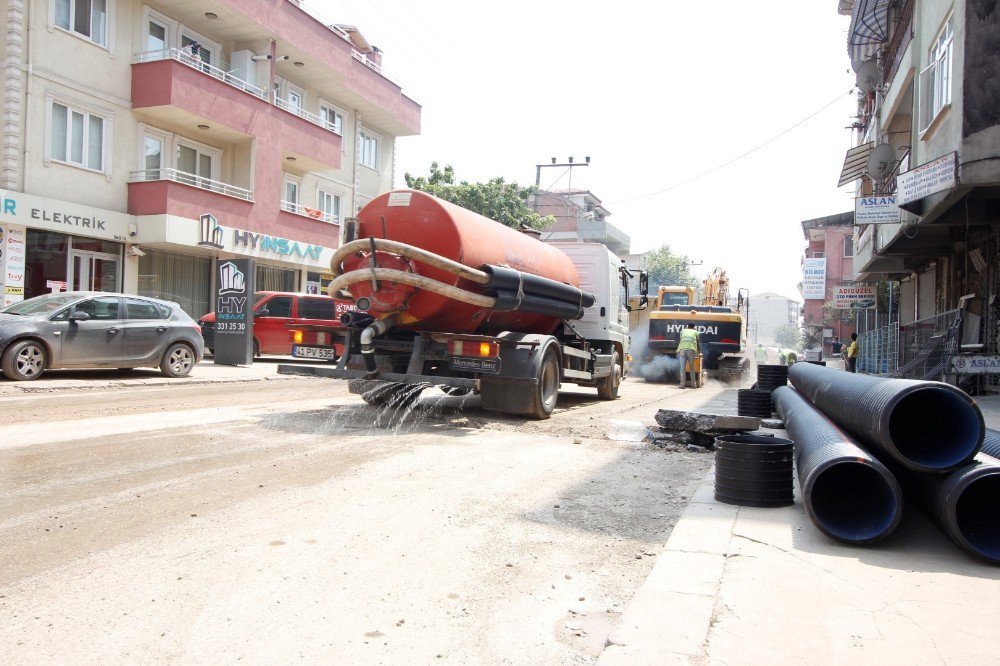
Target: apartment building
(828, 262)
(579, 216)
(768, 312)
(928, 152)
(144, 141)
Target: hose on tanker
(409, 251)
(412, 279)
(849, 495)
(925, 426)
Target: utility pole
(569, 164)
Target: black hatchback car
(81, 329)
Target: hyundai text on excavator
(722, 327)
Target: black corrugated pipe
(991, 444)
(502, 279)
(963, 503)
(926, 426)
(849, 495)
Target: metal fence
(927, 345)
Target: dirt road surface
(285, 520)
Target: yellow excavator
(721, 326)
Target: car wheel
(24, 361)
(177, 361)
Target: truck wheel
(608, 388)
(547, 389)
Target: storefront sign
(14, 250)
(876, 210)
(55, 286)
(935, 176)
(976, 364)
(854, 297)
(274, 245)
(63, 216)
(814, 278)
(234, 312)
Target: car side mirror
(79, 316)
(644, 283)
(263, 312)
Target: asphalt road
(281, 520)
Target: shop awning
(856, 163)
(844, 7)
(869, 28)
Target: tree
(496, 199)
(667, 269)
(788, 336)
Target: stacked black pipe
(849, 495)
(525, 292)
(770, 377)
(753, 471)
(928, 434)
(751, 402)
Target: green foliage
(667, 269)
(496, 199)
(788, 336)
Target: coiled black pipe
(502, 279)
(849, 495)
(963, 503)
(770, 377)
(991, 443)
(753, 471)
(750, 402)
(925, 426)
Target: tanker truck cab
(448, 298)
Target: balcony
(191, 179)
(902, 33)
(308, 116)
(600, 231)
(223, 71)
(311, 213)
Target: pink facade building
(830, 238)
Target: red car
(283, 320)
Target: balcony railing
(314, 213)
(901, 35)
(223, 71)
(887, 185)
(152, 175)
(305, 115)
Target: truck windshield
(673, 299)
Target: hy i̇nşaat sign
(927, 179)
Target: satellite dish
(881, 161)
(868, 77)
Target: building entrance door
(93, 271)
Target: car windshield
(41, 304)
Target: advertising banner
(935, 176)
(976, 364)
(234, 312)
(854, 297)
(876, 210)
(814, 278)
(13, 247)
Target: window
(329, 205)
(196, 52)
(294, 99)
(332, 117)
(77, 137)
(156, 35)
(935, 79)
(87, 18)
(848, 247)
(367, 149)
(138, 309)
(291, 191)
(153, 152)
(279, 306)
(317, 308)
(177, 277)
(103, 308)
(195, 164)
(819, 255)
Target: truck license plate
(474, 364)
(325, 353)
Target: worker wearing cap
(686, 350)
(788, 357)
(761, 354)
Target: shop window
(85, 18)
(271, 278)
(76, 137)
(46, 260)
(179, 278)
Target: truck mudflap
(395, 377)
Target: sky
(657, 94)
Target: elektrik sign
(233, 343)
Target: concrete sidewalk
(740, 585)
(206, 372)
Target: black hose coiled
(849, 495)
(925, 426)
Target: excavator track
(731, 368)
